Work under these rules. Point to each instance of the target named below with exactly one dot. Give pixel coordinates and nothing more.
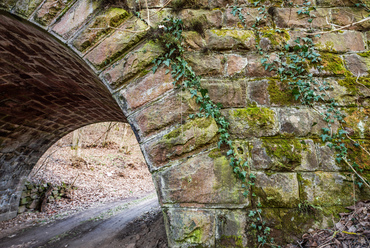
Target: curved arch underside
(46, 91)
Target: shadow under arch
(46, 91)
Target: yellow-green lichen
(276, 36)
(333, 63)
(354, 85)
(286, 153)
(240, 35)
(255, 116)
(194, 237)
(364, 54)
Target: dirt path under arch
(129, 223)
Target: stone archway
(201, 199)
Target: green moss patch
(286, 153)
(354, 84)
(333, 63)
(276, 36)
(279, 93)
(255, 116)
(364, 54)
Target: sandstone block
(189, 227)
(75, 18)
(326, 188)
(257, 91)
(277, 190)
(169, 110)
(228, 93)
(296, 121)
(190, 136)
(335, 3)
(100, 27)
(255, 67)
(25, 8)
(133, 64)
(348, 41)
(357, 65)
(147, 88)
(205, 18)
(204, 179)
(289, 18)
(230, 228)
(50, 10)
(250, 15)
(346, 16)
(252, 122)
(205, 64)
(235, 64)
(118, 43)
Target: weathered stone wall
(201, 198)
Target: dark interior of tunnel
(46, 91)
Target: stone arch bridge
(69, 63)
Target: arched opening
(46, 92)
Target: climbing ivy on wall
(292, 65)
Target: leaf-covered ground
(102, 173)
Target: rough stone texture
(190, 136)
(326, 188)
(75, 17)
(207, 65)
(203, 180)
(342, 42)
(169, 110)
(133, 64)
(147, 88)
(49, 11)
(46, 92)
(190, 227)
(277, 190)
(118, 43)
(101, 25)
(289, 18)
(25, 8)
(357, 65)
(228, 93)
(252, 122)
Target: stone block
(26, 8)
(289, 18)
(205, 179)
(348, 41)
(220, 3)
(49, 10)
(257, 91)
(133, 4)
(280, 93)
(147, 88)
(118, 43)
(133, 64)
(309, 157)
(335, 3)
(357, 120)
(99, 27)
(207, 65)
(224, 39)
(277, 190)
(326, 188)
(357, 65)
(250, 15)
(326, 159)
(277, 154)
(228, 93)
(346, 16)
(190, 136)
(252, 122)
(75, 17)
(190, 227)
(296, 121)
(236, 64)
(169, 110)
(255, 67)
(205, 18)
(230, 229)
